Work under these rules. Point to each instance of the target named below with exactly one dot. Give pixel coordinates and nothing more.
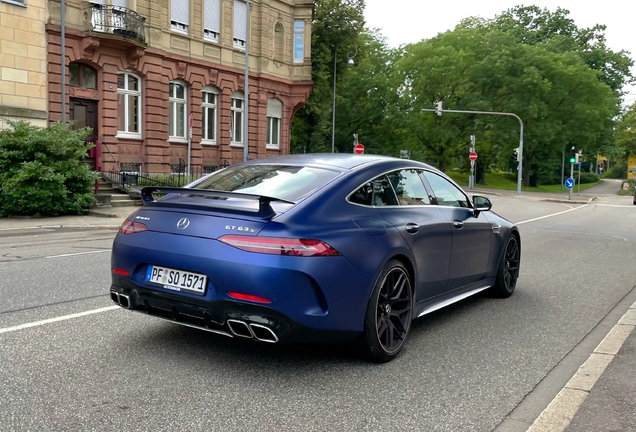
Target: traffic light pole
(572, 177)
(439, 111)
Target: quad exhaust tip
(121, 299)
(252, 331)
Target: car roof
(338, 160)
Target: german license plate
(176, 280)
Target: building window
(81, 75)
(177, 112)
(279, 42)
(128, 105)
(180, 15)
(212, 20)
(274, 116)
(209, 106)
(236, 118)
(299, 41)
(240, 24)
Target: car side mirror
(482, 204)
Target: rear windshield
(277, 181)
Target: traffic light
(515, 154)
(439, 108)
(572, 155)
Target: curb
(556, 200)
(561, 411)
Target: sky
(408, 21)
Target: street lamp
(350, 63)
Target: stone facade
(23, 62)
(156, 54)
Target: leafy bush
(42, 172)
(586, 177)
(618, 171)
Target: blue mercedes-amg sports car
(318, 247)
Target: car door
(472, 234)
(402, 200)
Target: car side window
(383, 193)
(409, 187)
(363, 196)
(446, 193)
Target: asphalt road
(465, 368)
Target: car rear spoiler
(265, 210)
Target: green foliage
(336, 28)
(42, 172)
(587, 177)
(617, 171)
(626, 131)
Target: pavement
(608, 393)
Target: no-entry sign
(472, 156)
(358, 149)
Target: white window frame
(178, 104)
(135, 93)
(234, 110)
(211, 31)
(239, 39)
(206, 108)
(299, 40)
(177, 25)
(274, 116)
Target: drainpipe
(63, 43)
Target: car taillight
(130, 227)
(280, 246)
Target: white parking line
(77, 253)
(550, 215)
(615, 205)
(56, 319)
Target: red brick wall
(156, 69)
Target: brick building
(23, 68)
(137, 70)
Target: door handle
(412, 228)
(496, 228)
(458, 224)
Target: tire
(508, 271)
(388, 316)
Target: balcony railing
(119, 21)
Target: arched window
(128, 105)
(279, 42)
(82, 75)
(274, 116)
(209, 106)
(177, 111)
(237, 110)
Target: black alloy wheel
(389, 314)
(508, 272)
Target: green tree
(42, 172)
(336, 27)
(626, 131)
(531, 25)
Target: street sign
(358, 149)
(569, 183)
(472, 156)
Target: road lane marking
(77, 253)
(56, 319)
(550, 215)
(561, 411)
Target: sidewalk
(611, 405)
(108, 218)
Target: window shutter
(212, 15)
(120, 3)
(98, 2)
(240, 20)
(180, 11)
